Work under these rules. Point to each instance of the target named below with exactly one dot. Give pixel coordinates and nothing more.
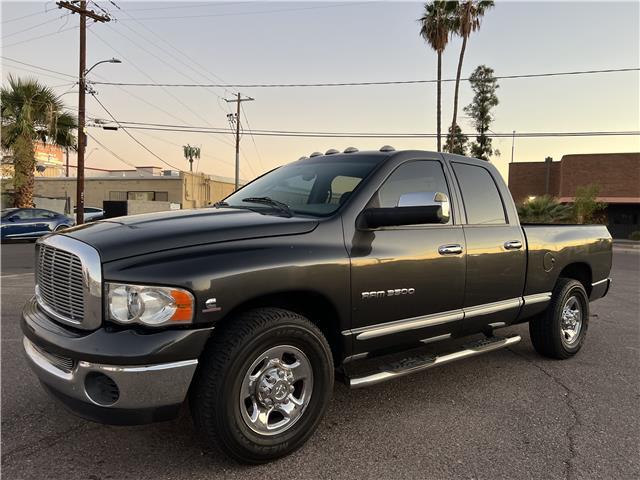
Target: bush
(635, 235)
(585, 207)
(544, 209)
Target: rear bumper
(600, 289)
(119, 377)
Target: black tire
(545, 330)
(215, 393)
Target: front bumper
(86, 371)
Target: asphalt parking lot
(507, 414)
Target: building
(50, 161)
(149, 184)
(617, 176)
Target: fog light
(101, 389)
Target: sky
(312, 42)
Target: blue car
(31, 223)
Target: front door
(404, 289)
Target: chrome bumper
(136, 387)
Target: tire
(223, 416)
(546, 331)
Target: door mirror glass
(427, 199)
(415, 208)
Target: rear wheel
(263, 385)
(560, 331)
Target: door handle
(513, 245)
(453, 249)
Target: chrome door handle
(453, 249)
(513, 245)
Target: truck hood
(122, 237)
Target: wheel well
(580, 272)
(314, 306)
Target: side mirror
(415, 208)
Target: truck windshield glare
(316, 188)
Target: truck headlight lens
(148, 305)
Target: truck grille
(60, 282)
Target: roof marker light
(387, 148)
(331, 151)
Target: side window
(420, 176)
(341, 188)
(26, 214)
(45, 214)
(480, 195)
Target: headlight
(147, 305)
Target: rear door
(496, 251)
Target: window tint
(26, 214)
(341, 188)
(422, 176)
(44, 214)
(480, 194)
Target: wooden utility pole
(82, 140)
(238, 100)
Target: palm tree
(31, 112)
(467, 20)
(436, 26)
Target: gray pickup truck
(366, 266)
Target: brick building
(617, 176)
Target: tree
(467, 20)
(31, 112)
(190, 153)
(436, 26)
(456, 143)
(585, 206)
(544, 209)
(484, 86)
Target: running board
(423, 362)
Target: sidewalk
(631, 245)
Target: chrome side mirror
(428, 199)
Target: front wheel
(263, 385)
(560, 331)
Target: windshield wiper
(283, 207)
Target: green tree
(484, 85)
(585, 206)
(467, 20)
(31, 112)
(456, 143)
(436, 25)
(544, 209)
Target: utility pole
(82, 140)
(513, 144)
(238, 100)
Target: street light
(81, 135)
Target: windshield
(5, 212)
(310, 187)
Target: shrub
(544, 209)
(635, 235)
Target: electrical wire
(260, 12)
(41, 36)
(115, 155)
(36, 66)
(33, 26)
(125, 130)
(364, 84)
(285, 133)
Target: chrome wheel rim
(571, 321)
(276, 390)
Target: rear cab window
(482, 201)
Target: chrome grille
(62, 363)
(60, 283)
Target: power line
(110, 151)
(285, 133)
(4, 22)
(36, 66)
(132, 137)
(182, 6)
(41, 36)
(33, 26)
(260, 12)
(362, 84)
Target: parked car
(338, 264)
(91, 214)
(30, 223)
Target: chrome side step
(423, 362)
